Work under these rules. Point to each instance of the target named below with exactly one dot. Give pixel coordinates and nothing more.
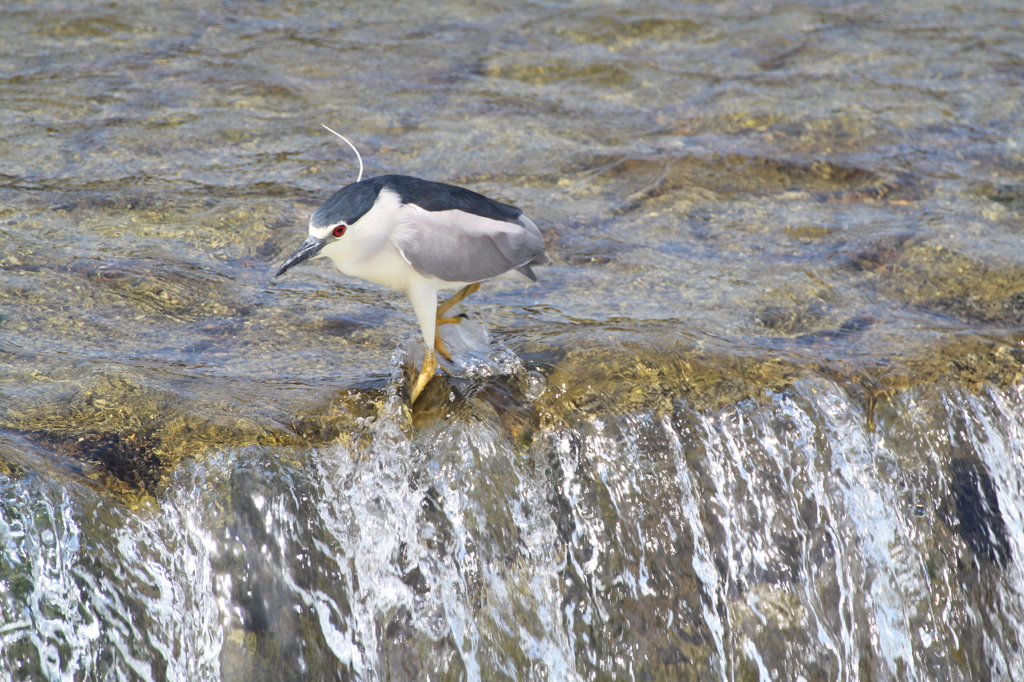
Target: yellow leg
(439, 346)
(426, 374)
(429, 358)
(457, 298)
(441, 319)
(441, 349)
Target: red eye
(339, 230)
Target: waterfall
(787, 536)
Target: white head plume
(358, 155)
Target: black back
(351, 202)
(437, 196)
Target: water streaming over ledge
(777, 538)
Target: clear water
(761, 419)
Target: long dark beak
(306, 250)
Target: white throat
(371, 247)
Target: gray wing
(461, 247)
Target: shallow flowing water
(760, 419)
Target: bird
(420, 237)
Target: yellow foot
(426, 374)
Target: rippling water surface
(761, 418)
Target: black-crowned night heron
(419, 237)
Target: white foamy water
(774, 539)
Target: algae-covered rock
(943, 280)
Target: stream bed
(762, 417)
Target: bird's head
(336, 224)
